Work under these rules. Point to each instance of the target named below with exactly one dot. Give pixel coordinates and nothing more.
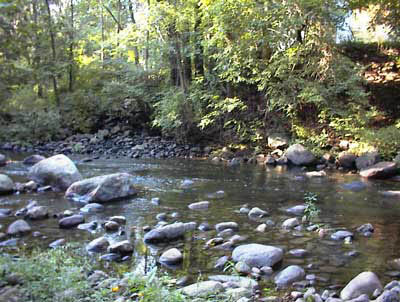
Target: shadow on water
(272, 188)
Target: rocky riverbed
(219, 220)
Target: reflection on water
(272, 188)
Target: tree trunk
(53, 50)
(135, 48)
(71, 50)
(146, 52)
(36, 55)
(199, 50)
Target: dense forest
(231, 71)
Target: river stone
(57, 171)
(98, 245)
(290, 223)
(390, 193)
(111, 226)
(346, 160)
(71, 221)
(299, 155)
(340, 235)
(91, 208)
(220, 263)
(3, 160)
(226, 225)
(367, 227)
(277, 141)
(297, 210)
(364, 283)
(168, 232)
(240, 281)
(354, 186)
(203, 289)
(257, 213)
(171, 257)
(90, 226)
(366, 160)
(201, 205)
(234, 294)
(242, 268)
(313, 174)
(33, 159)
(6, 184)
(298, 252)
(388, 296)
(118, 219)
(380, 170)
(257, 254)
(18, 227)
(102, 188)
(289, 275)
(57, 243)
(37, 212)
(5, 213)
(122, 248)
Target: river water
(269, 188)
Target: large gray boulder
(57, 171)
(346, 160)
(37, 212)
(381, 170)
(71, 221)
(364, 283)
(3, 160)
(102, 188)
(257, 255)
(366, 160)
(289, 275)
(299, 155)
(168, 233)
(203, 289)
(6, 184)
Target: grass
(61, 275)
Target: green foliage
(311, 211)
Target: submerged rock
(102, 188)
(364, 283)
(257, 255)
(57, 171)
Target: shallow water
(271, 188)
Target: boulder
(92, 208)
(3, 160)
(102, 188)
(257, 213)
(297, 210)
(168, 233)
(118, 219)
(37, 212)
(171, 257)
(226, 225)
(203, 289)
(121, 248)
(33, 159)
(299, 155)
(366, 160)
(98, 245)
(6, 184)
(289, 275)
(277, 141)
(257, 255)
(340, 235)
(57, 171)
(71, 221)
(346, 160)
(364, 283)
(290, 223)
(380, 170)
(201, 205)
(18, 227)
